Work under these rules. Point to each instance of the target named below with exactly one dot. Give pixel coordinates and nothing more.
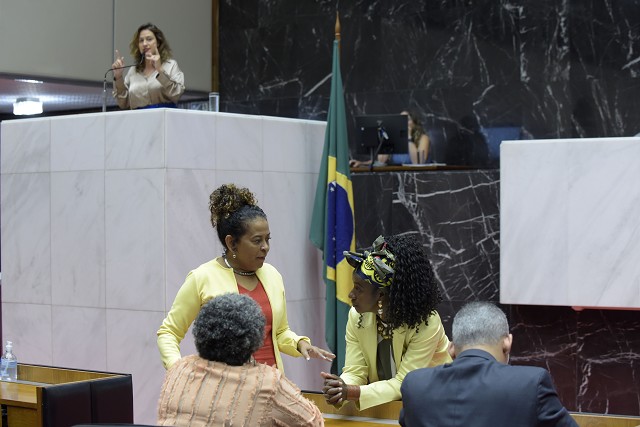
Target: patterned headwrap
(376, 266)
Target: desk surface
(17, 394)
(415, 168)
(388, 414)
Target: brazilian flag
(332, 224)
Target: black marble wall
(547, 68)
(550, 68)
(593, 355)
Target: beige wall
(75, 39)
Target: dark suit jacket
(476, 390)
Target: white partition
(570, 222)
(103, 215)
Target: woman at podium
(156, 80)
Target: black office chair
(112, 400)
(66, 404)
(438, 145)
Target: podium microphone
(104, 83)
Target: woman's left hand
(333, 388)
(308, 351)
(155, 58)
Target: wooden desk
(388, 414)
(400, 168)
(23, 398)
(597, 420)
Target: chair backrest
(112, 400)
(437, 145)
(64, 405)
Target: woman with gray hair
(203, 389)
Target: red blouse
(264, 354)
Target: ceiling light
(29, 81)
(27, 106)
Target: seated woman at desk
(418, 146)
(223, 384)
(393, 326)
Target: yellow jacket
(210, 280)
(411, 350)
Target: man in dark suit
(479, 388)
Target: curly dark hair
(232, 208)
(163, 45)
(414, 294)
(229, 329)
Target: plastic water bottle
(8, 364)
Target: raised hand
(154, 57)
(117, 65)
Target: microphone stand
(104, 92)
(104, 83)
(381, 138)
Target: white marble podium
(570, 222)
(103, 215)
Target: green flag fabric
(332, 223)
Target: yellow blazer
(210, 280)
(411, 350)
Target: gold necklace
(384, 330)
(241, 273)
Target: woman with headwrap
(393, 326)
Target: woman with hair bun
(243, 231)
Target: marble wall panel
(190, 238)
(592, 354)
(96, 251)
(25, 148)
(239, 144)
(77, 331)
(135, 139)
(77, 239)
(26, 254)
(562, 199)
(134, 239)
(455, 214)
(131, 348)
(553, 68)
(29, 328)
(608, 362)
(290, 233)
(547, 337)
(198, 150)
(78, 146)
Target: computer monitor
(387, 133)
